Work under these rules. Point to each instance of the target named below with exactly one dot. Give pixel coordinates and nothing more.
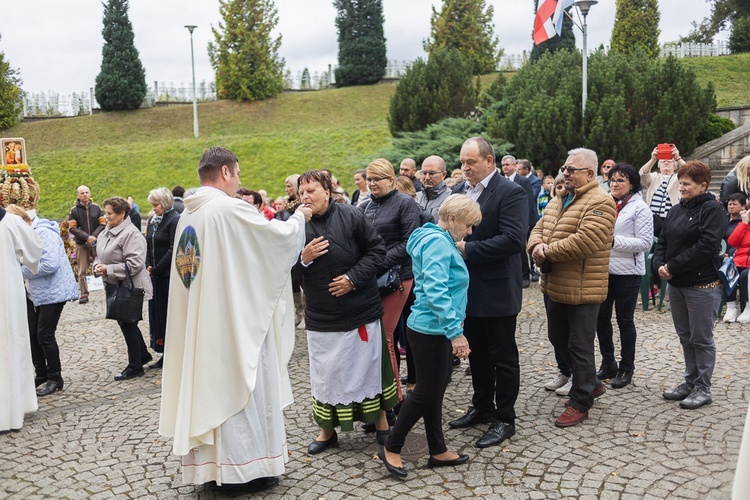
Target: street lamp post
(584, 6)
(195, 94)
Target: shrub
(444, 139)
(634, 102)
(715, 127)
(441, 87)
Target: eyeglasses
(430, 174)
(373, 180)
(618, 181)
(572, 170)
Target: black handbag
(124, 303)
(390, 281)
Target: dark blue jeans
(623, 294)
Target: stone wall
(740, 116)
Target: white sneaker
(557, 382)
(745, 316)
(731, 315)
(564, 390)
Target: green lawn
(730, 75)
(134, 152)
(130, 153)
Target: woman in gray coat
(120, 243)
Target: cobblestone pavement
(98, 438)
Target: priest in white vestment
(19, 244)
(230, 325)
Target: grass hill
(130, 153)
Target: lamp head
(585, 5)
(191, 27)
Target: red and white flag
(549, 18)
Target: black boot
(49, 387)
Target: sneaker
(731, 315)
(696, 399)
(571, 417)
(557, 382)
(678, 393)
(564, 390)
(744, 317)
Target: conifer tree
(566, 40)
(466, 25)
(362, 54)
(10, 90)
(121, 82)
(244, 53)
(636, 27)
(723, 12)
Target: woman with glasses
(634, 233)
(394, 216)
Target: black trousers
(495, 371)
(138, 355)
(45, 354)
(432, 356)
(572, 329)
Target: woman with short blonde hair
(162, 196)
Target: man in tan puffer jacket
(571, 245)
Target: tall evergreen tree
(566, 40)
(636, 27)
(362, 55)
(244, 55)
(10, 90)
(121, 82)
(466, 25)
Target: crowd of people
(426, 265)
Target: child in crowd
(545, 193)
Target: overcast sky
(57, 44)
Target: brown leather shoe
(571, 417)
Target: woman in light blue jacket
(434, 328)
(48, 291)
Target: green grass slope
(729, 74)
(131, 153)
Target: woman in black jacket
(342, 315)
(687, 256)
(159, 240)
(394, 215)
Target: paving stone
(98, 438)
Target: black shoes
(158, 364)
(319, 446)
(435, 462)
(696, 399)
(496, 434)
(389, 415)
(456, 361)
(146, 360)
(128, 373)
(39, 381)
(606, 372)
(622, 379)
(472, 417)
(399, 472)
(254, 486)
(526, 283)
(678, 393)
(49, 387)
(83, 300)
(468, 370)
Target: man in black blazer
(510, 170)
(492, 253)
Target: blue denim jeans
(623, 295)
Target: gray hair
(508, 157)
(162, 196)
(588, 156)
